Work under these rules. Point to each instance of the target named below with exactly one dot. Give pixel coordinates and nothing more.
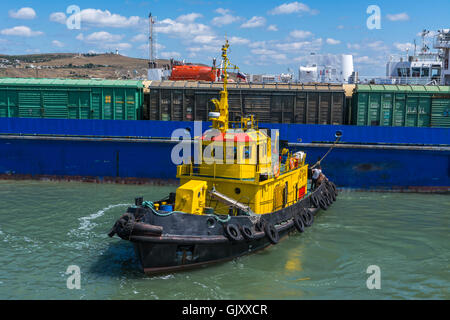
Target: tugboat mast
(220, 121)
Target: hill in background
(75, 66)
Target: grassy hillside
(76, 66)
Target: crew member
(317, 177)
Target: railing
(403, 80)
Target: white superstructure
(327, 69)
(442, 42)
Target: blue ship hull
(370, 158)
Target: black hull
(184, 241)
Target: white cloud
(26, 13)
(182, 29)
(308, 46)
(170, 54)
(272, 27)
(103, 36)
(189, 18)
(398, 17)
(254, 22)
(293, 7)
(205, 39)
(354, 46)
(58, 44)
(377, 46)
(80, 37)
(58, 17)
(340, 27)
(21, 31)
(140, 38)
(225, 18)
(99, 18)
(364, 60)
(238, 41)
(121, 46)
(300, 34)
(263, 51)
(403, 46)
(333, 41)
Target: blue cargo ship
(367, 158)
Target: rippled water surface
(47, 226)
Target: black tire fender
(272, 233)
(247, 232)
(314, 201)
(298, 223)
(232, 232)
(323, 204)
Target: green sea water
(47, 226)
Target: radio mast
(152, 62)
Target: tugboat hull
(180, 241)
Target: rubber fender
(272, 233)
(314, 201)
(298, 223)
(232, 232)
(140, 228)
(323, 204)
(259, 226)
(310, 218)
(247, 232)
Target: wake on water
(87, 224)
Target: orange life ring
(276, 170)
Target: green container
(409, 106)
(71, 99)
(440, 114)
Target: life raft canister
(276, 170)
(292, 163)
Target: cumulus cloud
(140, 38)
(403, 46)
(225, 18)
(272, 27)
(21, 31)
(26, 13)
(333, 42)
(170, 54)
(58, 44)
(58, 17)
(103, 36)
(182, 27)
(100, 18)
(292, 7)
(398, 17)
(354, 46)
(189, 18)
(300, 34)
(254, 22)
(238, 41)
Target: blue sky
(266, 36)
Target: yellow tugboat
(241, 196)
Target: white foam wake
(87, 224)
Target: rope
(332, 147)
(151, 206)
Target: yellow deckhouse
(240, 171)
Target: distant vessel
(423, 68)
